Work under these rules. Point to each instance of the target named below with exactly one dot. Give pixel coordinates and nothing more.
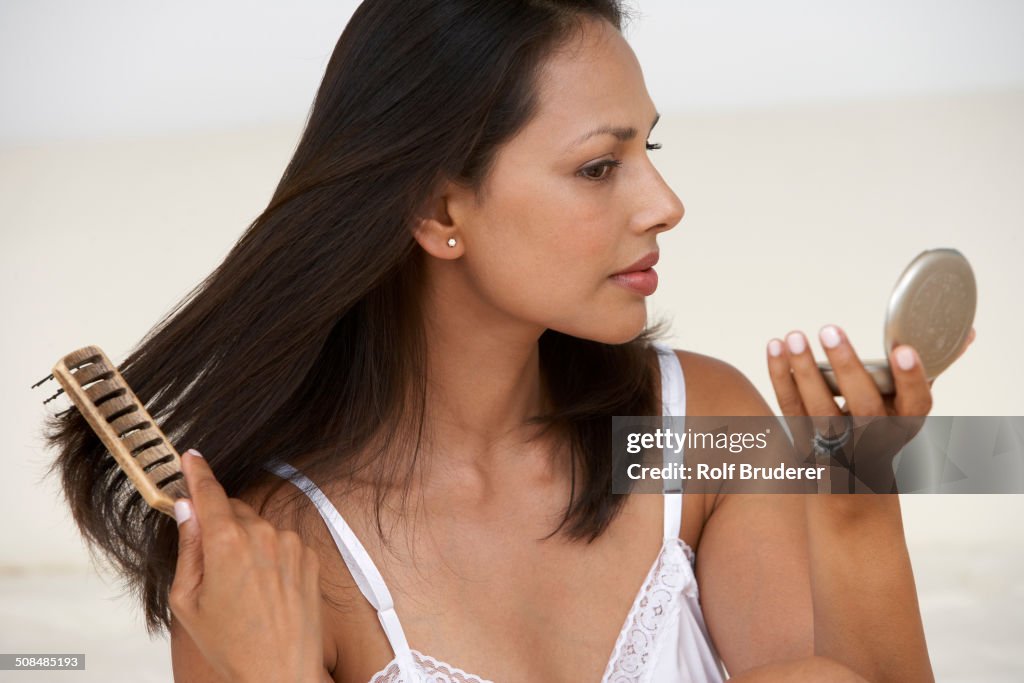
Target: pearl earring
(451, 241)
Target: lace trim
(430, 668)
(670, 578)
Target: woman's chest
(504, 604)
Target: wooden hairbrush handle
(124, 425)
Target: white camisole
(663, 640)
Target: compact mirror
(932, 309)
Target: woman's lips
(640, 281)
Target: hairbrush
(122, 423)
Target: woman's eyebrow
(622, 133)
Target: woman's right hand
(247, 593)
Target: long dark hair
(308, 337)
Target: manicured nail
(905, 357)
(796, 342)
(775, 347)
(194, 452)
(829, 336)
(182, 511)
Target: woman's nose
(666, 208)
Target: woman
(425, 323)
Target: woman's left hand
(807, 401)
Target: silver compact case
(932, 309)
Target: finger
(243, 511)
(312, 592)
(813, 391)
(188, 573)
(290, 556)
(801, 427)
(781, 374)
(913, 392)
(858, 389)
(311, 568)
(209, 501)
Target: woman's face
(557, 218)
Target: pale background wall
(816, 153)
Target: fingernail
(775, 347)
(182, 511)
(905, 358)
(796, 342)
(194, 452)
(829, 336)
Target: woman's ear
(440, 225)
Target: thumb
(188, 573)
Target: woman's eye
(601, 173)
(600, 168)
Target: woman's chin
(621, 326)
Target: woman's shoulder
(287, 506)
(716, 387)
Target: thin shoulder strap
(358, 561)
(673, 400)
